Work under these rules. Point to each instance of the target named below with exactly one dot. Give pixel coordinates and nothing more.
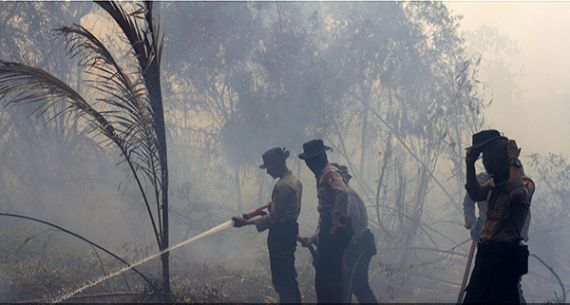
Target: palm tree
(126, 111)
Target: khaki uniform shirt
(469, 209)
(358, 215)
(508, 205)
(285, 202)
(333, 196)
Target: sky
(539, 119)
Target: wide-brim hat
(485, 137)
(274, 156)
(313, 148)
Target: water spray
(218, 228)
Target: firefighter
(360, 249)
(281, 221)
(334, 227)
(474, 223)
(502, 256)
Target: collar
(287, 173)
(510, 184)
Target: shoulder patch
(330, 176)
(526, 181)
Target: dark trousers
(328, 275)
(282, 243)
(356, 262)
(497, 272)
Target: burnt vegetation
(95, 93)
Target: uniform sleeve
(474, 189)
(316, 235)
(469, 204)
(529, 183)
(340, 191)
(469, 211)
(520, 206)
(282, 197)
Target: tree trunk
(387, 156)
(238, 189)
(161, 134)
(363, 146)
(152, 82)
(164, 258)
(365, 91)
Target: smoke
(239, 78)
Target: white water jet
(223, 226)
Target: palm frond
(129, 110)
(120, 91)
(146, 45)
(133, 116)
(20, 84)
(93, 55)
(129, 25)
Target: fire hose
(313, 252)
(260, 212)
(255, 212)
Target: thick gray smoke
(391, 86)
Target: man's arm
(469, 212)
(282, 195)
(307, 241)
(520, 206)
(531, 187)
(341, 202)
(474, 189)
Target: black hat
(485, 137)
(274, 156)
(313, 148)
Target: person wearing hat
(474, 223)
(502, 256)
(360, 249)
(334, 229)
(281, 221)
